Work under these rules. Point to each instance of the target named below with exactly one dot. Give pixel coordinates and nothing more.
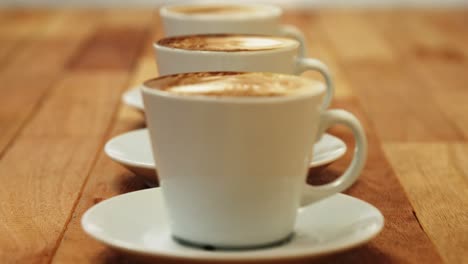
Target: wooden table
(62, 72)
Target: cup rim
(296, 44)
(320, 91)
(273, 11)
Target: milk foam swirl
(234, 84)
(228, 42)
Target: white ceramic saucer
(133, 98)
(136, 223)
(133, 151)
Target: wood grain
(72, 24)
(107, 178)
(379, 185)
(386, 88)
(50, 160)
(47, 164)
(437, 66)
(7, 49)
(25, 23)
(402, 72)
(435, 61)
(100, 50)
(26, 80)
(353, 39)
(375, 188)
(318, 47)
(44, 179)
(36, 47)
(435, 177)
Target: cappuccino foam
(228, 42)
(213, 9)
(234, 84)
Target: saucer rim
(292, 254)
(128, 94)
(111, 154)
(337, 154)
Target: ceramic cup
(233, 169)
(284, 59)
(203, 18)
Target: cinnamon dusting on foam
(227, 42)
(233, 84)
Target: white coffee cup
(246, 19)
(284, 59)
(233, 169)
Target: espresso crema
(234, 84)
(227, 42)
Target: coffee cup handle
(293, 32)
(305, 64)
(351, 174)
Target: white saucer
(136, 223)
(133, 151)
(133, 98)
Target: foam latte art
(228, 42)
(234, 84)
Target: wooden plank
(72, 23)
(85, 98)
(131, 17)
(443, 68)
(22, 77)
(7, 52)
(39, 186)
(100, 50)
(402, 239)
(117, 179)
(435, 176)
(146, 67)
(407, 70)
(7, 49)
(47, 23)
(107, 179)
(17, 105)
(452, 25)
(21, 23)
(428, 46)
(385, 86)
(33, 63)
(43, 170)
(353, 39)
(26, 79)
(435, 60)
(318, 47)
(387, 92)
(41, 57)
(73, 118)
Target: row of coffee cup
(232, 128)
